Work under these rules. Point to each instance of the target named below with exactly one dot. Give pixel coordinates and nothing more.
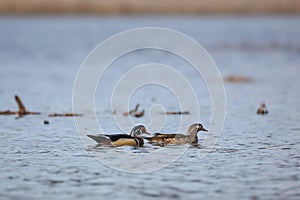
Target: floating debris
(138, 114)
(46, 122)
(262, 110)
(178, 113)
(22, 110)
(135, 112)
(237, 79)
(21, 106)
(7, 112)
(65, 115)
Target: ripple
(295, 129)
(226, 150)
(256, 156)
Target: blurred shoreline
(186, 7)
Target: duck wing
(100, 138)
(116, 137)
(172, 135)
(166, 138)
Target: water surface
(255, 156)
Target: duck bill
(204, 130)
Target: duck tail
(103, 139)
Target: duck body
(117, 140)
(177, 138)
(122, 139)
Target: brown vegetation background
(149, 6)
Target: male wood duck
(262, 110)
(178, 138)
(122, 139)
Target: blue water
(256, 156)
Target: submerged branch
(65, 115)
(135, 112)
(178, 113)
(22, 110)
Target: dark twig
(22, 109)
(65, 115)
(135, 112)
(178, 113)
(237, 79)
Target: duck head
(138, 131)
(195, 128)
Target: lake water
(256, 156)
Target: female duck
(178, 138)
(122, 139)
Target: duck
(262, 110)
(177, 138)
(132, 139)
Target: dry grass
(149, 7)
